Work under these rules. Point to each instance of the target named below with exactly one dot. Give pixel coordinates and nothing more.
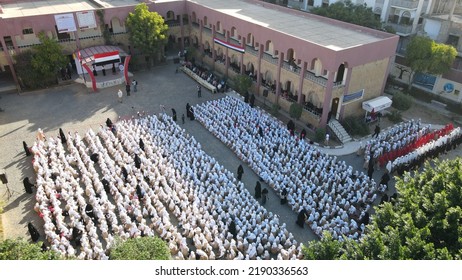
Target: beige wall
(369, 77)
(287, 75)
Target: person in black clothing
(264, 196)
(260, 131)
(384, 198)
(89, 211)
(187, 110)
(385, 179)
(28, 186)
(62, 136)
(365, 219)
(141, 143)
(284, 196)
(191, 113)
(303, 134)
(26, 148)
(199, 91)
(291, 125)
(109, 123)
(34, 234)
(370, 171)
(94, 157)
(106, 185)
(232, 228)
(252, 100)
(139, 192)
(376, 131)
(301, 218)
(246, 97)
(182, 118)
(174, 115)
(137, 161)
(240, 171)
(124, 173)
(258, 190)
(127, 89)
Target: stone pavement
(75, 108)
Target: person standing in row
(240, 171)
(127, 89)
(120, 95)
(199, 91)
(135, 85)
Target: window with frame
(28, 31)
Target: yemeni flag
(106, 58)
(229, 45)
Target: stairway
(339, 131)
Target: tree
(295, 110)
(148, 32)
(38, 67)
(242, 83)
(346, 11)
(143, 248)
(20, 249)
(424, 222)
(423, 55)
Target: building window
(453, 40)
(27, 31)
(8, 41)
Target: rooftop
(305, 26)
(34, 8)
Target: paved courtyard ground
(75, 108)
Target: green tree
(38, 67)
(20, 249)
(242, 83)
(143, 248)
(346, 11)
(423, 55)
(424, 222)
(295, 110)
(148, 31)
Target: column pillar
(300, 84)
(278, 74)
(327, 99)
(259, 74)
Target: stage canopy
(98, 56)
(377, 104)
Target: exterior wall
(455, 95)
(370, 78)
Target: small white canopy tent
(377, 104)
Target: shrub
(320, 135)
(402, 101)
(296, 110)
(395, 116)
(144, 248)
(21, 249)
(355, 126)
(275, 109)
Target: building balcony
(270, 58)
(320, 80)
(195, 24)
(401, 29)
(172, 23)
(291, 67)
(406, 4)
(251, 50)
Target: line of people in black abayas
(34, 234)
(28, 186)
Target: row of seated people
(129, 181)
(395, 138)
(432, 149)
(207, 76)
(335, 198)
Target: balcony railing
(290, 67)
(408, 4)
(195, 24)
(270, 58)
(401, 28)
(220, 36)
(234, 41)
(172, 23)
(251, 50)
(321, 80)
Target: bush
(402, 101)
(21, 249)
(355, 126)
(296, 110)
(275, 109)
(320, 135)
(144, 248)
(395, 116)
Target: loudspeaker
(3, 178)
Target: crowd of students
(147, 177)
(333, 196)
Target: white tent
(377, 104)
